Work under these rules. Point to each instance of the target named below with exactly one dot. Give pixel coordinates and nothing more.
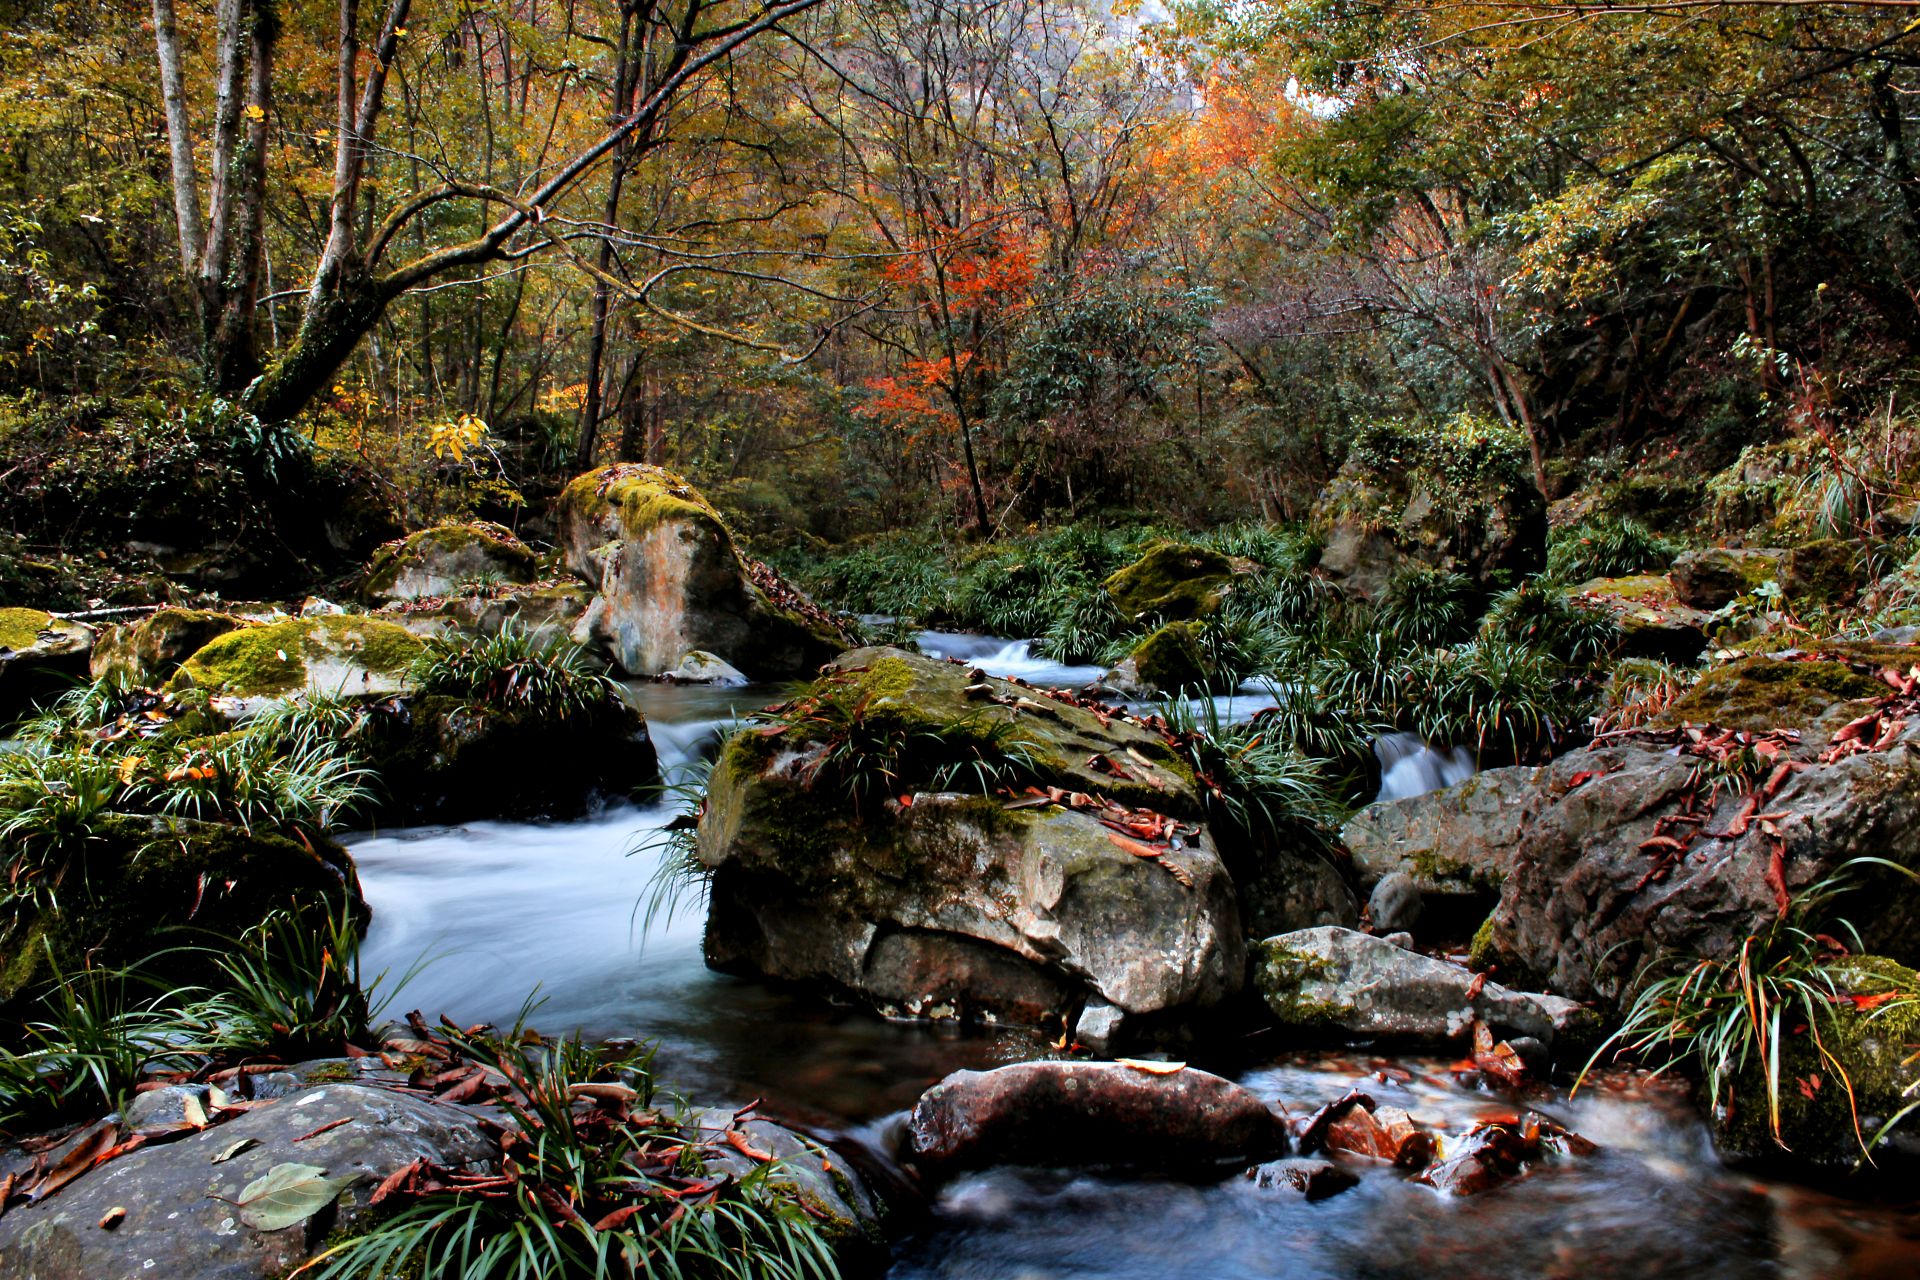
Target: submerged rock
(40, 655)
(148, 651)
(136, 882)
(1310, 1178)
(931, 902)
(670, 579)
(1092, 1113)
(446, 559)
(1330, 979)
(330, 656)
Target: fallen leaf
(738, 1141)
(233, 1149)
(1152, 1068)
(328, 1127)
(193, 1111)
(79, 1158)
(288, 1194)
(112, 1217)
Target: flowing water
(501, 911)
(1411, 766)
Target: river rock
(447, 560)
(328, 656)
(40, 656)
(138, 881)
(1585, 906)
(1457, 496)
(179, 1217)
(1304, 1176)
(1091, 1113)
(701, 667)
(831, 1190)
(148, 651)
(549, 613)
(931, 902)
(1340, 980)
(670, 579)
(1455, 844)
(1167, 662)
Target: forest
(963, 639)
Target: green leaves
(289, 1194)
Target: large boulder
(174, 1209)
(1652, 847)
(149, 650)
(1456, 841)
(446, 560)
(337, 655)
(135, 882)
(923, 900)
(1166, 662)
(548, 613)
(1456, 495)
(1174, 581)
(671, 579)
(40, 655)
(829, 1190)
(1337, 980)
(1162, 1116)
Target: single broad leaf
(1152, 1068)
(195, 1113)
(234, 1149)
(288, 1194)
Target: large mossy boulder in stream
(40, 655)
(149, 650)
(136, 886)
(337, 655)
(1174, 581)
(445, 559)
(1455, 495)
(853, 850)
(670, 579)
(1685, 840)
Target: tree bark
(186, 175)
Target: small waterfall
(1004, 658)
(1410, 766)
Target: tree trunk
(186, 176)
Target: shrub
(1608, 547)
(512, 670)
(1423, 606)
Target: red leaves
(738, 1141)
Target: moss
(1172, 580)
(1827, 571)
(1871, 1045)
(1480, 953)
(1652, 589)
(21, 628)
(494, 544)
(1759, 693)
(152, 649)
(1171, 658)
(1280, 972)
(644, 496)
(1438, 868)
(273, 659)
(330, 1073)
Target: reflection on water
(503, 908)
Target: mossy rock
(670, 578)
(1759, 693)
(1173, 580)
(40, 656)
(446, 559)
(443, 759)
(1828, 571)
(341, 654)
(1651, 619)
(1171, 659)
(1712, 577)
(1455, 495)
(136, 884)
(149, 651)
(1875, 1047)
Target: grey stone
(1394, 905)
(700, 667)
(1457, 841)
(1713, 577)
(834, 1194)
(1337, 979)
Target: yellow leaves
(454, 437)
(256, 112)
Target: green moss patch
(1171, 658)
(1172, 580)
(643, 495)
(21, 628)
(1760, 693)
(274, 659)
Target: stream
(478, 919)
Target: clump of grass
(513, 670)
(1606, 547)
(1258, 787)
(1540, 615)
(1730, 1017)
(592, 1181)
(1085, 629)
(1423, 606)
